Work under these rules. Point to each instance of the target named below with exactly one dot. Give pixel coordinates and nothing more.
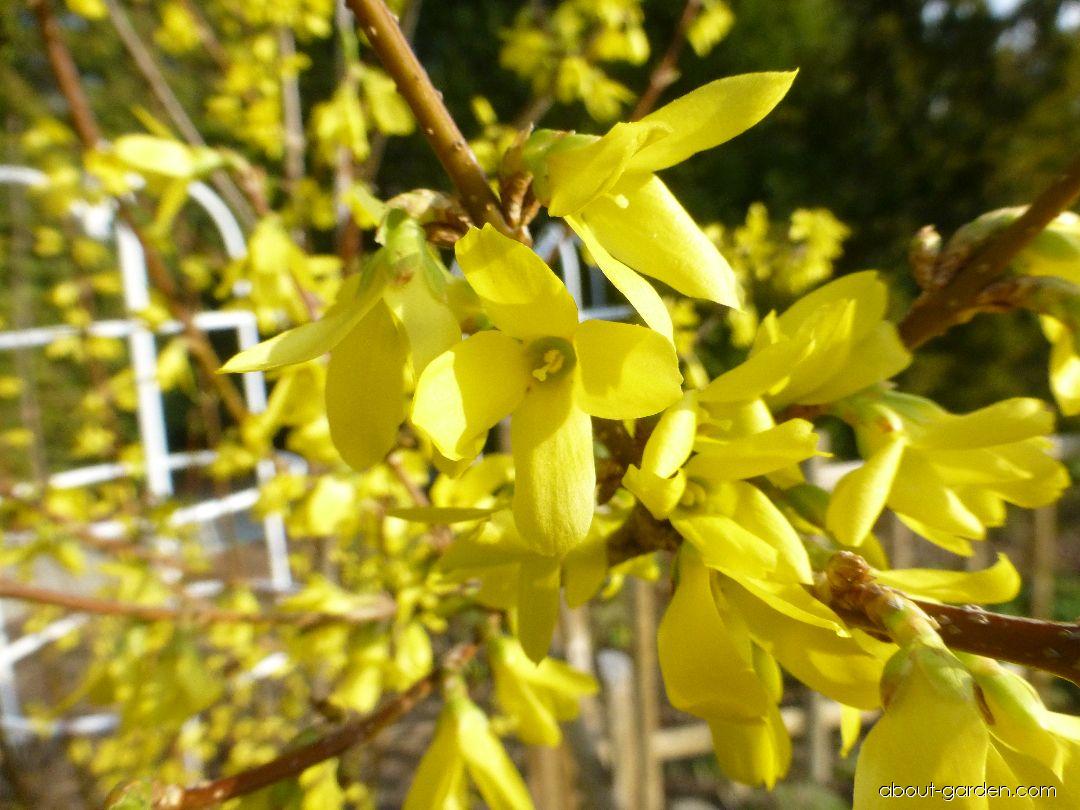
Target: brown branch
(940, 308)
(450, 146)
(356, 732)
(666, 70)
(67, 77)
(383, 608)
(1054, 647)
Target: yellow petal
(920, 493)
(439, 778)
(310, 340)
(860, 495)
(642, 296)
(834, 665)
(642, 225)
(429, 323)
(762, 373)
(698, 651)
(879, 356)
(998, 583)
(551, 439)
(365, 390)
(624, 371)
(927, 734)
(850, 728)
(725, 546)
(710, 115)
(1010, 420)
(1064, 366)
(585, 568)
(439, 514)
(488, 765)
(580, 174)
(865, 289)
(756, 454)
(659, 495)
(465, 391)
(538, 604)
(520, 293)
(672, 440)
(755, 752)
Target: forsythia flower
(551, 374)
(630, 222)
(392, 315)
(703, 643)
(536, 696)
(961, 723)
(828, 345)
(464, 745)
(946, 476)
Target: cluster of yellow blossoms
(721, 465)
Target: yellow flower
(732, 524)
(704, 643)
(536, 696)
(630, 222)
(385, 319)
(828, 345)
(961, 722)
(946, 476)
(464, 745)
(551, 373)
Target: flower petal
(428, 322)
(365, 389)
(624, 371)
(465, 391)
(998, 583)
(580, 174)
(672, 440)
(1011, 420)
(642, 296)
(756, 454)
(878, 356)
(699, 649)
(538, 604)
(310, 340)
(551, 439)
(642, 225)
(710, 115)
(860, 495)
(520, 293)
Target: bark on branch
(355, 732)
(391, 46)
(940, 308)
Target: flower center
(551, 358)
(693, 496)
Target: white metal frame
(159, 463)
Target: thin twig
(381, 608)
(938, 309)
(666, 70)
(356, 732)
(450, 146)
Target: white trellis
(159, 463)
